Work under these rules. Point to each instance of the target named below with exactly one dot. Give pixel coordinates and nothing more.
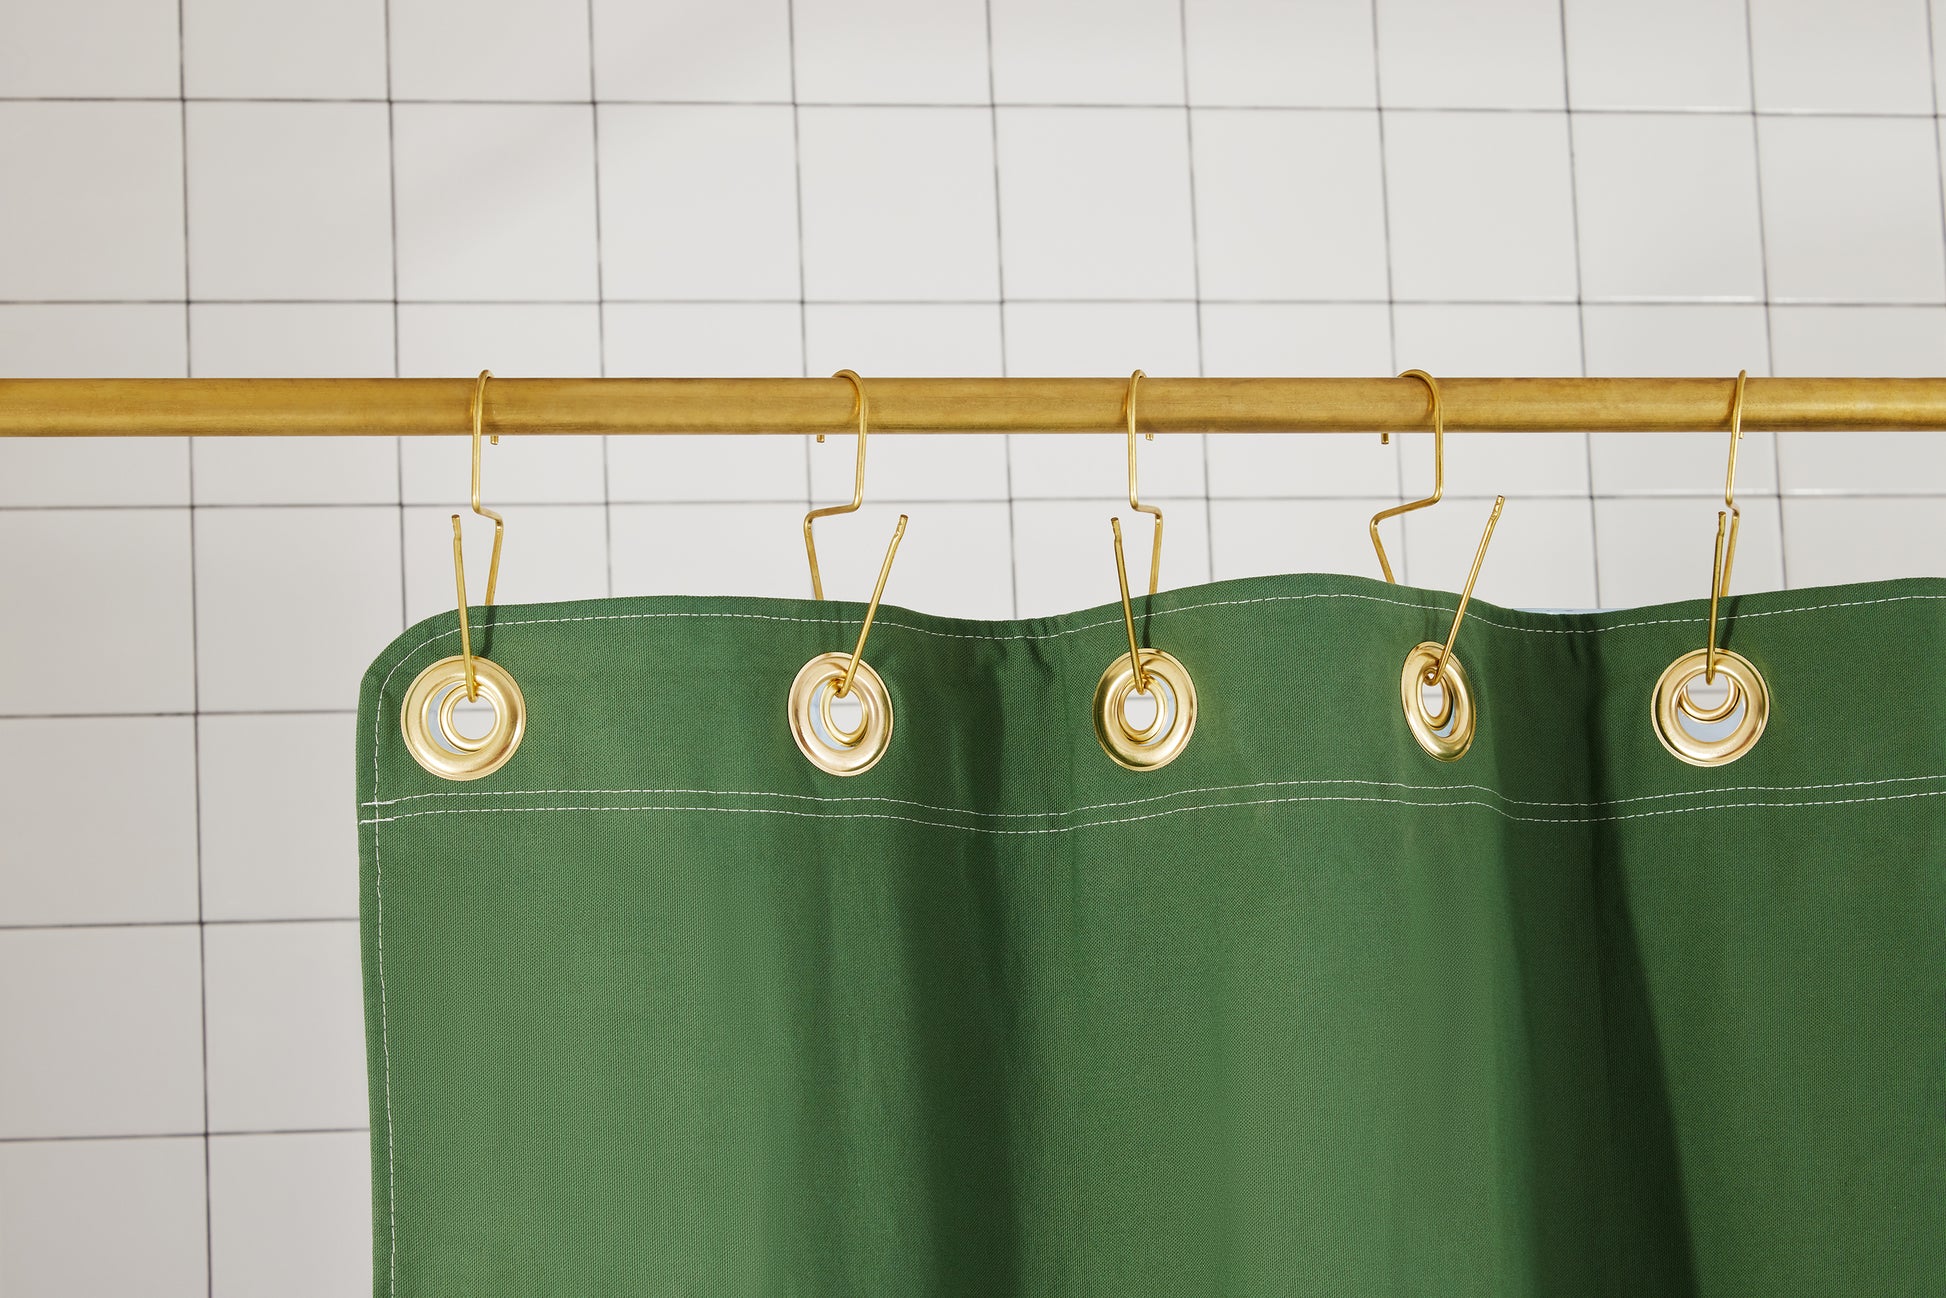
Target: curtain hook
(1746, 688)
(1437, 672)
(1134, 496)
(459, 558)
(857, 486)
(1726, 546)
(1438, 470)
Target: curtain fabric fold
(658, 1007)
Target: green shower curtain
(660, 1008)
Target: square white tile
(84, 590)
(1678, 341)
(511, 49)
(56, 1197)
(698, 201)
(293, 340)
(289, 201)
(1251, 538)
(712, 549)
(1542, 555)
(1338, 340)
(290, 1215)
(1071, 226)
(70, 864)
(1289, 205)
(1833, 540)
(1480, 206)
(104, 1032)
(1851, 209)
(1873, 341)
(103, 220)
(942, 341)
(279, 834)
(292, 603)
(1668, 207)
(1816, 56)
(723, 340)
(954, 560)
(1062, 338)
(1064, 552)
(283, 49)
(514, 341)
(286, 1026)
(672, 50)
(1658, 550)
(1267, 53)
(1671, 54)
(551, 552)
(84, 340)
(891, 52)
(898, 204)
(90, 48)
(1449, 341)
(1498, 54)
(1087, 52)
(465, 234)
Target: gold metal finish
(1459, 613)
(1746, 686)
(857, 484)
(1438, 471)
(433, 740)
(1148, 672)
(1670, 704)
(1447, 733)
(1163, 739)
(459, 559)
(818, 736)
(871, 609)
(1134, 496)
(621, 407)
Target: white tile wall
(429, 187)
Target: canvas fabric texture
(659, 1008)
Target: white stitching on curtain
(1157, 815)
(1160, 797)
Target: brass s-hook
(1134, 495)
(1438, 471)
(499, 536)
(857, 484)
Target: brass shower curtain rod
(417, 407)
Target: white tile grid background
(242, 187)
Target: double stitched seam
(391, 1195)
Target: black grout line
(204, 1136)
(1391, 287)
(202, 922)
(1004, 105)
(1580, 298)
(1763, 269)
(803, 281)
(195, 672)
(601, 310)
(699, 303)
(1000, 314)
(1196, 275)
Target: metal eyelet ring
(436, 744)
(1163, 739)
(824, 744)
(1447, 733)
(1671, 703)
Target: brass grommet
(432, 740)
(1671, 703)
(1447, 733)
(818, 737)
(1163, 739)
